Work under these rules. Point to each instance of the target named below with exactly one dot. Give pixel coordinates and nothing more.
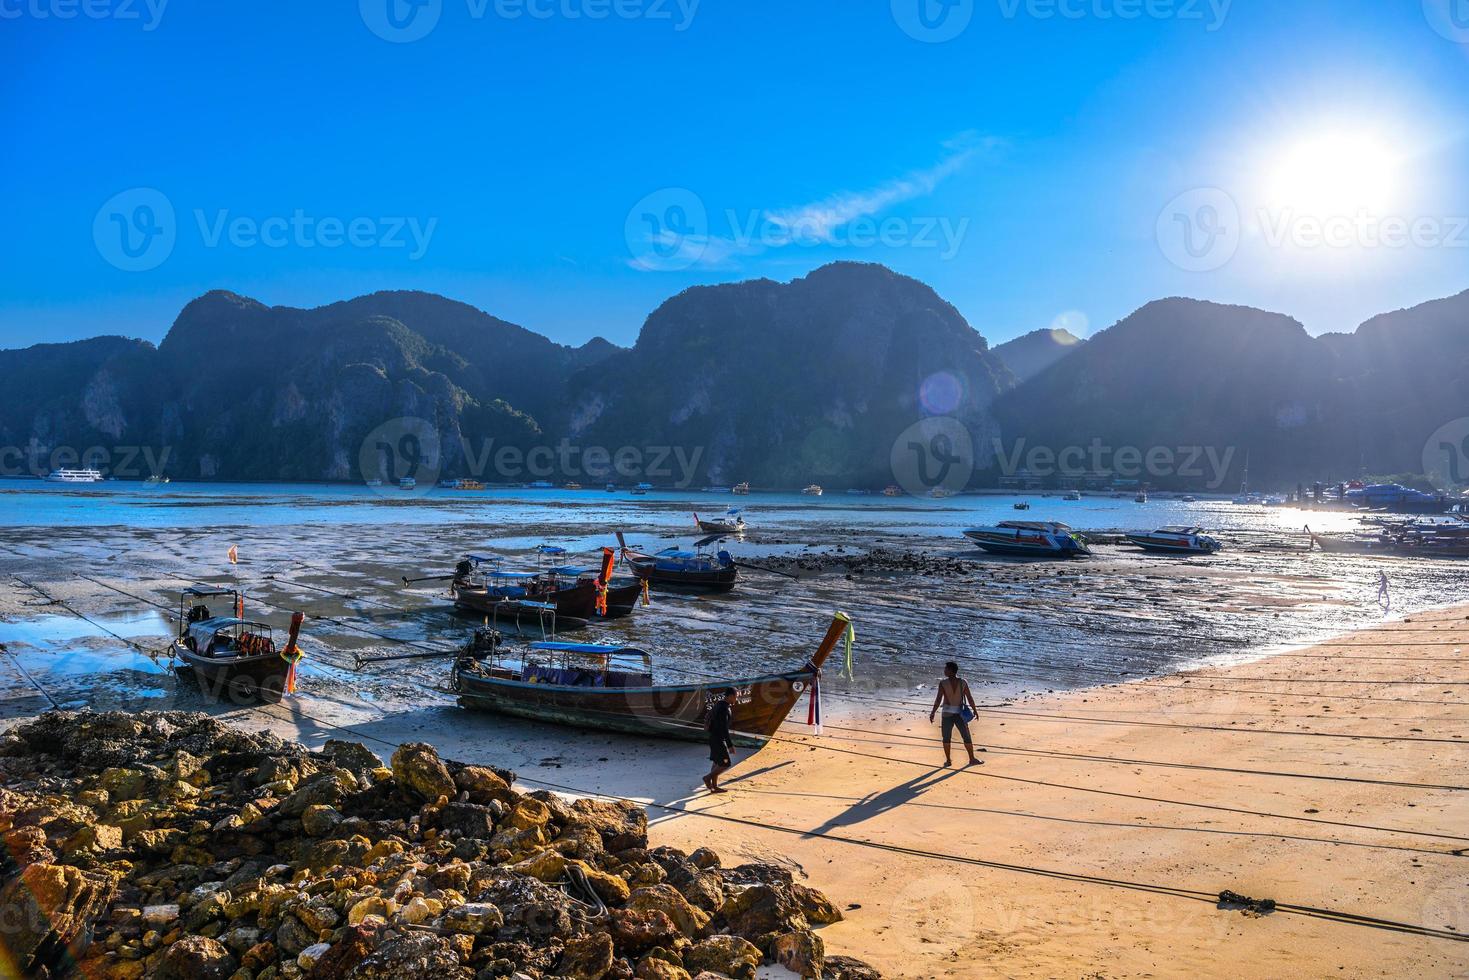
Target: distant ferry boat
(407, 483)
(812, 491)
(1072, 495)
(740, 488)
(75, 476)
(641, 489)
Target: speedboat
(407, 483)
(1177, 540)
(1141, 498)
(1399, 499)
(75, 476)
(940, 493)
(641, 489)
(1029, 539)
(1023, 505)
(740, 488)
(812, 491)
(573, 485)
(1072, 495)
(892, 490)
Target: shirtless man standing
(953, 694)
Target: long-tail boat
(482, 588)
(616, 595)
(687, 570)
(233, 658)
(610, 688)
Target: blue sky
(1053, 161)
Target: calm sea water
(36, 503)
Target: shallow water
(338, 553)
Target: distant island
(778, 384)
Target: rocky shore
(171, 845)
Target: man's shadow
(876, 804)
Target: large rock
(196, 958)
(848, 968)
(803, 953)
(728, 956)
(667, 899)
(623, 825)
(534, 911)
(355, 945)
(635, 932)
(421, 774)
(48, 911)
(762, 909)
(467, 820)
(587, 957)
(483, 785)
(415, 956)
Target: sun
(1336, 174)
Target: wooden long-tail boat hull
(577, 601)
(713, 580)
(237, 679)
(623, 596)
(761, 704)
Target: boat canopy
(518, 576)
(483, 559)
(550, 549)
(675, 553)
(572, 570)
(557, 646)
(205, 591)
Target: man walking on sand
(720, 742)
(955, 698)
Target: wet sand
(1094, 840)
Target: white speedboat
(75, 476)
(407, 483)
(1072, 495)
(1177, 540)
(812, 491)
(1029, 539)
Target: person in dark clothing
(720, 742)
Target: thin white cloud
(819, 220)
(815, 223)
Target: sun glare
(1336, 174)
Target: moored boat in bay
(610, 688)
(1029, 539)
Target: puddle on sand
(69, 656)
